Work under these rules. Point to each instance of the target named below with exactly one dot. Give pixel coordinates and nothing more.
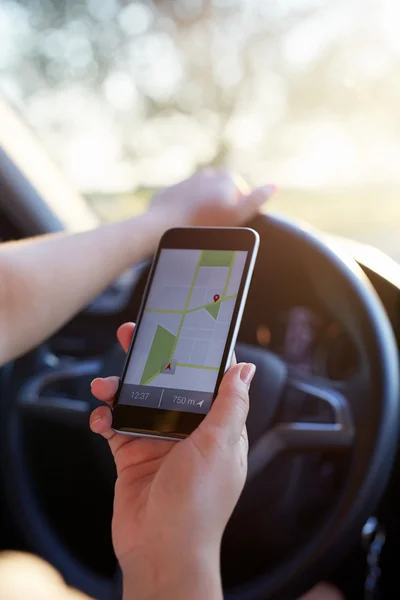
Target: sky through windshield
(304, 93)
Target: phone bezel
(173, 424)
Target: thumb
(230, 408)
(249, 205)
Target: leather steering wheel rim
(374, 448)
(372, 458)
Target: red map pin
(216, 297)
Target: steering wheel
(358, 429)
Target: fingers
(105, 389)
(230, 408)
(100, 422)
(124, 335)
(263, 193)
(144, 449)
(241, 184)
(248, 206)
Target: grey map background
(202, 337)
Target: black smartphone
(186, 330)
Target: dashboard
(310, 341)
(289, 318)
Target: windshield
(127, 96)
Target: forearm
(177, 575)
(45, 281)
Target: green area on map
(164, 342)
(160, 351)
(213, 309)
(216, 258)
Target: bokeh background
(130, 95)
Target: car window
(128, 96)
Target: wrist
(177, 574)
(151, 226)
(169, 216)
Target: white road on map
(202, 337)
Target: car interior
(322, 324)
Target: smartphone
(186, 330)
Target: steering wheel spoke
(59, 409)
(308, 431)
(34, 400)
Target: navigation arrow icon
(168, 367)
(200, 403)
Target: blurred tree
(209, 81)
(144, 62)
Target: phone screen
(181, 338)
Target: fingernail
(247, 373)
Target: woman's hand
(210, 197)
(173, 499)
